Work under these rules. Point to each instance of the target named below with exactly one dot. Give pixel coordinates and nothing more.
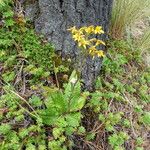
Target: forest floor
(42, 106)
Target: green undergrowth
(40, 108)
(47, 117)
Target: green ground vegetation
(42, 108)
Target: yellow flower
(98, 30)
(93, 40)
(83, 43)
(89, 29)
(82, 29)
(82, 35)
(100, 53)
(92, 50)
(73, 30)
(77, 37)
(98, 42)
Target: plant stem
(57, 82)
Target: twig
(24, 101)
(24, 85)
(135, 135)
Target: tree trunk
(52, 18)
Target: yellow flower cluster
(82, 37)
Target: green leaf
(118, 139)
(69, 130)
(9, 76)
(139, 141)
(96, 97)
(126, 123)
(57, 132)
(30, 147)
(58, 102)
(73, 119)
(81, 129)
(2, 3)
(109, 127)
(55, 145)
(49, 116)
(4, 128)
(77, 104)
(72, 89)
(23, 133)
(90, 136)
(146, 118)
(8, 13)
(35, 101)
(61, 122)
(9, 22)
(19, 118)
(101, 117)
(139, 148)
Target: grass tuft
(144, 44)
(125, 13)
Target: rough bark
(53, 17)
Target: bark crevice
(61, 3)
